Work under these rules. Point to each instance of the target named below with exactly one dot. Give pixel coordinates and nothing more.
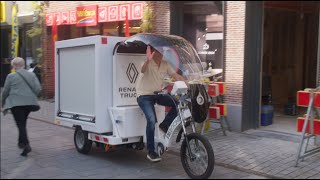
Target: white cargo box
(131, 121)
(95, 87)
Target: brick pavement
(54, 156)
(258, 152)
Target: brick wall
(47, 64)
(161, 22)
(234, 50)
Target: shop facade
(227, 34)
(202, 23)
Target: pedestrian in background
(36, 70)
(20, 96)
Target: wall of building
(318, 67)
(234, 35)
(161, 11)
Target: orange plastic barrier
(303, 99)
(214, 112)
(223, 108)
(316, 125)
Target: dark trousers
(20, 114)
(147, 103)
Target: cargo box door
(76, 82)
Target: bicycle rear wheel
(201, 162)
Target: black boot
(21, 145)
(26, 150)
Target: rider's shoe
(154, 157)
(163, 127)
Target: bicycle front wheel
(200, 163)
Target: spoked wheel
(200, 164)
(81, 141)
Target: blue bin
(266, 115)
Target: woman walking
(19, 95)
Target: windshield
(178, 52)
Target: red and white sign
(113, 13)
(122, 12)
(49, 19)
(91, 15)
(57, 18)
(73, 18)
(102, 14)
(65, 18)
(137, 10)
(87, 15)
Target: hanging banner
(87, 15)
(49, 19)
(3, 11)
(102, 17)
(124, 12)
(65, 18)
(73, 17)
(92, 15)
(14, 32)
(113, 13)
(137, 11)
(57, 18)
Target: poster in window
(73, 18)
(102, 17)
(137, 11)
(113, 13)
(122, 12)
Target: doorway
(290, 50)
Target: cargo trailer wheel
(81, 141)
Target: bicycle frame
(180, 121)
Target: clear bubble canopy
(177, 51)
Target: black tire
(81, 141)
(185, 160)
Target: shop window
(134, 27)
(32, 48)
(75, 32)
(201, 23)
(93, 30)
(111, 29)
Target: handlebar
(163, 92)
